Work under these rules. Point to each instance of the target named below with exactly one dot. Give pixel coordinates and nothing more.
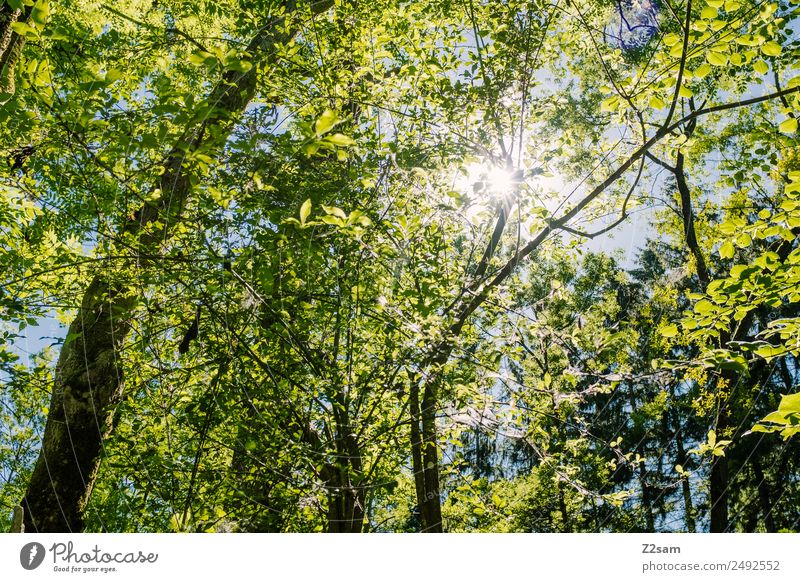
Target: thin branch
(682, 65)
(623, 215)
(173, 30)
(659, 161)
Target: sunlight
(499, 180)
(485, 179)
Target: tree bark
(647, 499)
(718, 480)
(432, 506)
(688, 506)
(416, 447)
(562, 507)
(719, 495)
(688, 220)
(89, 382)
(87, 386)
(10, 45)
(764, 496)
(345, 500)
(424, 458)
(344, 477)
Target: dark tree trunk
(566, 527)
(88, 384)
(344, 478)
(10, 46)
(345, 502)
(688, 221)
(416, 448)
(764, 496)
(647, 499)
(719, 475)
(432, 506)
(425, 458)
(718, 481)
(688, 506)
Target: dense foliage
(330, 265)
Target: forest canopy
(407, 266)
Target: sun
(500, 180)
(487, 180)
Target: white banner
(408, 557)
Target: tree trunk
(688, 221)
(416, 448)
(10, 46)
(719, 473)
(345, 502)
(344, 478)
(432, 507)
(764, 497)
(688, 506)
(562, 507)
(647, 498)
(718, 494)
(424, 457)
(88, 384)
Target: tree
(327, 265)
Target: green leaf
(334, 211)
(789, 125)
(790, 404)
(610, 104)
(113, 75)
(669, 330)
(771, 49)
(201, 58)
(311, 148)
(727, 250)
(761, 67)
(341, 140)
(776, 417)
(240, 66)
(333, 220)
(702, 71)
(704, 306)
(40, 12)
(325, 122)
(768, 352)
(737, 364)
(716, 59)
(23, 29)
(744, 240)
(305, 210)
(708, 13)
